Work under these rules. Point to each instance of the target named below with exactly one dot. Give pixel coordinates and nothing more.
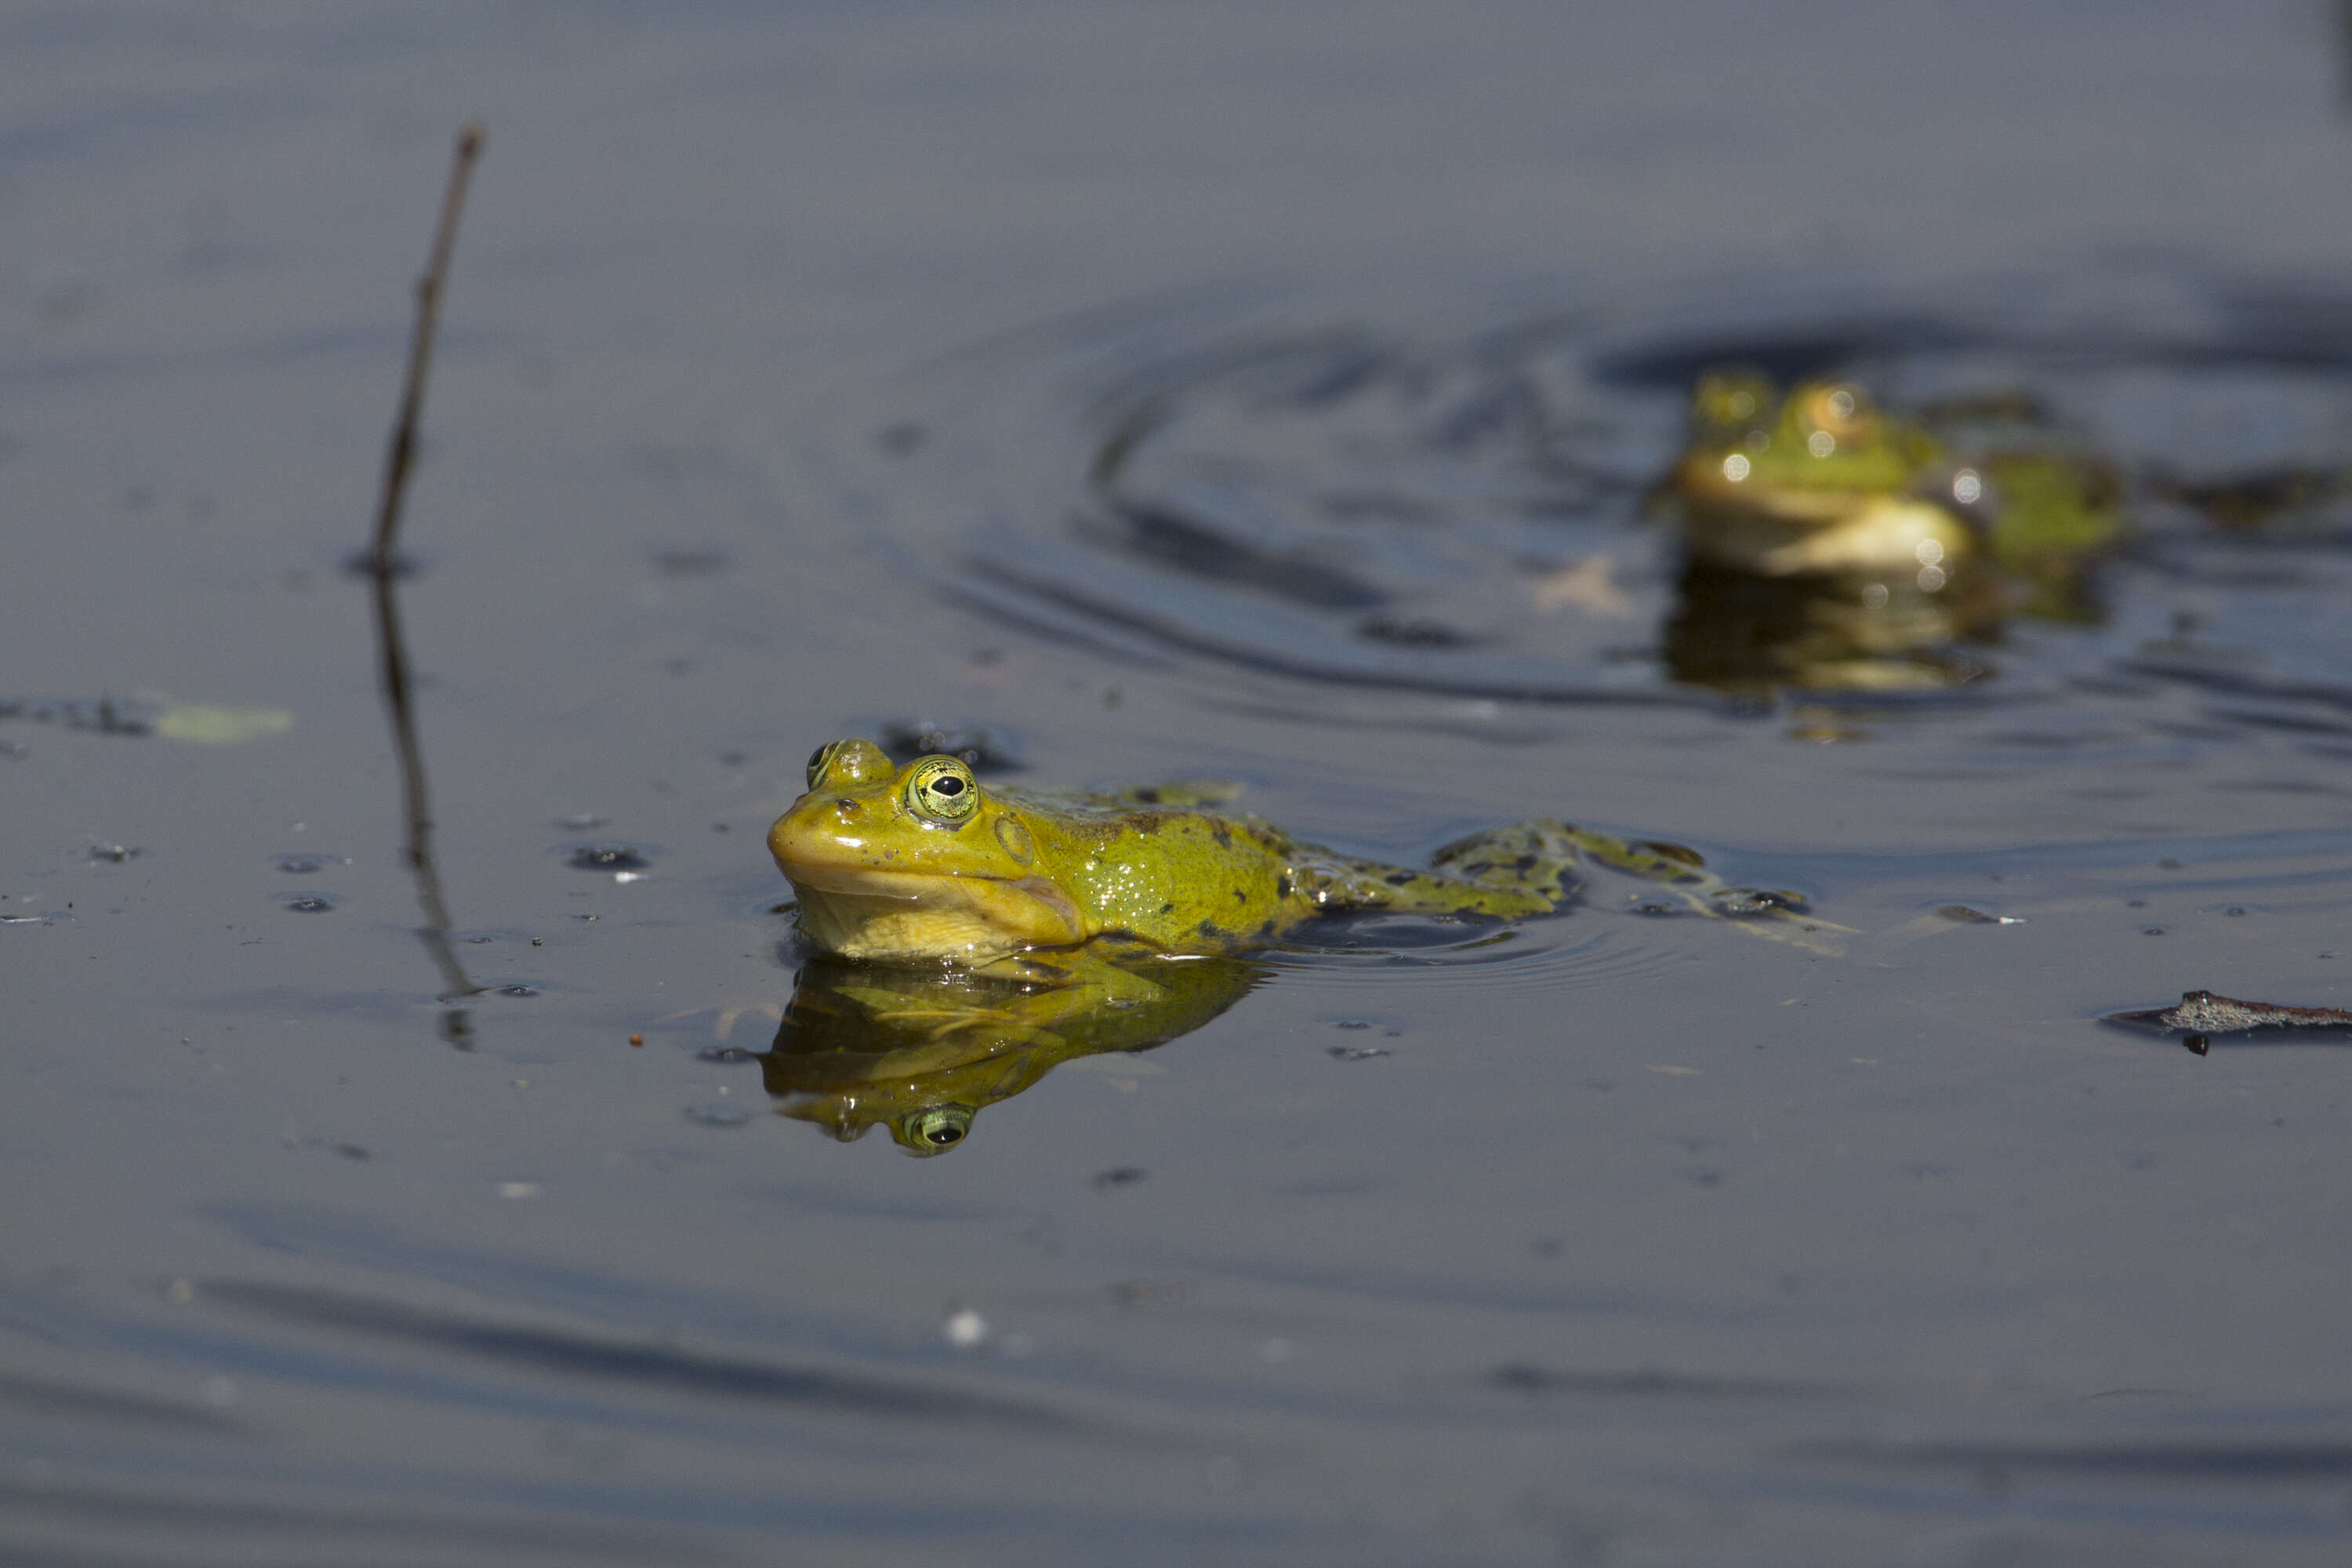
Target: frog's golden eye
(936, 1130)
(818, 758)
(942, 789)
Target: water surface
(782, 360)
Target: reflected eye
(935, 1131)
(818, 758)
(942, 789)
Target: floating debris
(201, 723)
(2203, 1013)
(983, 749)
(612, 856)
(302, 862)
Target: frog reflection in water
(923, 1051)
(997, 932)
(1830, 543)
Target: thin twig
(402, 456)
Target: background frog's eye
(942, 789)
(936, 1130)
(818, 758)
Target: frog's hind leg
(1535, 860)
(1761, 911)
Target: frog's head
(1824, 436)
(915, 862)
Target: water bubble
(1354, 1052)
(309, 903)
(717, 1115)
(115, 854)
(517, 991)
(964, 1327)
(724, 1053)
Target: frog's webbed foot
(1773, 913)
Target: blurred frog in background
(1830, 543)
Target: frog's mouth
(861, 912)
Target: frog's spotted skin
(921, 863)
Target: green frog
(920, 863)
(972, 937)
(1818, 481)
(1824, 482)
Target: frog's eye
(1840, 409)
(936, 1130)
(818, 758)
(942, 789)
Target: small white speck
(1735, 468)
(629, 875)
(1966, 488)
(517, 1189)
(1821, 442)
(965, 1328)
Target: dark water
(1269, 394)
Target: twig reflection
(392, 649)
